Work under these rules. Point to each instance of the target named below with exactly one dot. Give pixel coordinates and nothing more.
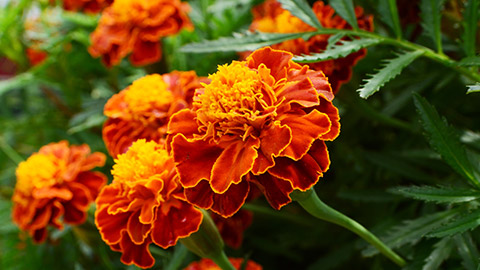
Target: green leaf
(431, 20)
(467, 250)
(346, 10)
(389, 13)
(179, 254)
(343, 49)
(471, 88)
(440, 253)
(470, 61)
(333, 39)
(470, 20)
(440, 194)
(412, 231)
(302, 10)
(242, 42)
(18, 81)
(390, 70)
(444, 140)
(467, 222)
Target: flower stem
(313, 205)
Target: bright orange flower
(36, 57)
(56, 182)
(262, 121)
(136, 26)
(207, 264)
(143, 109)
(144, 204)
(271, 17)
(89, 6)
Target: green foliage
(469, 35)
(470, 61)
(340, 49)
(466, 222)
(473, 88)
(440, 194)
(346, 10)
(301, 10)
(431, 20)
(389, 14)
(444, 140)
(390, 70)
(467, 250)
(440, 253)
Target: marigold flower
(207, 264)
(142, 110)
(261, 121)
(136, 26)
(271, 17)
(89, 6)
(144, 204)
(56, 182)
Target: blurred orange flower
(271, 17)
(56, 182)
(144, 204)
(262, 121)
(142, 110)
(89, 6)
(129, 26)
(207, 264)
(36, 57)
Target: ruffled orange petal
(194, 159)
(177, 223)
(53, 192)
(137, 231)
(276, 190)
(111, 226)
(145, 52)
(303, 173)
(301, 92)
(332, 112)
(272, 141)
(305, 130)
(136, 254)
(275, 60)
(93, 181)
(233, 163)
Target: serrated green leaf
(440, 194)
(470, 20)
(473, 88)
(470, 61)
(431, 20)
(345, 9)
(412, 231)
(389, 14)
(302, 10)
(242, 42)
(333, 39)
(343, 49)
(440, 253)
(467, 222)
(443, 140)
(390, 70)
(467, 250)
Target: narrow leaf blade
(473, 88)
(470, 61)
(346, 10)
(467, 222)
(440, 253)
(389, 14)
(343, 49)
(431, 20)
(440, 194)
(443, 139)
(242, 42)
(390, 70)
(467, 251)
(470, 20)
(302, 10)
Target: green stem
(222, 261)
(313, 205)
(427, 52)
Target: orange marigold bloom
(142, 110)
(56, 182)
(144, 204)
(271, 17)
(136, 26)
(89, 6)
(207, 264)
(262, 121)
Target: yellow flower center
(282, 23)
(148, 95)
(38, 171)
(143, 161)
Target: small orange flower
(271, 17)
(89, 6)
(56, 182)
(207, 264)
(36, 57)
(143, 109)
(136, 26)
(261, 121)
(144, 204)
